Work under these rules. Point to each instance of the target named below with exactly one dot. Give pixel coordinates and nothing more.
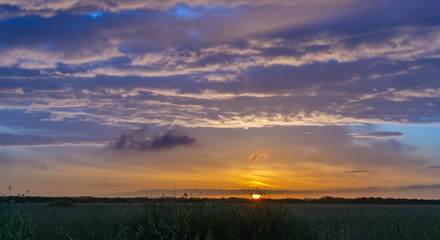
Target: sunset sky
(301, 98)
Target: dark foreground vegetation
(170, 218)
(325, 200)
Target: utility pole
(9, 190)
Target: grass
(183, 219)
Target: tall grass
(217, 220)
(183, 219)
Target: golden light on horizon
(256, 196)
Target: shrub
(16, 225)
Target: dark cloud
(170, 140)
(139, 141)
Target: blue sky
(298, 95)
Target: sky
(298, 98)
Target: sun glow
(256, 196)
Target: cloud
(188, 9)
(106, 184)
(359, 171)
(170, 140)
(12, 140)
(392, 145)
(258, 156)
(434, 186)
(37, 59)
(334, 71)
(393, 94)
(434, 167)
(377, 135)
(139, 141)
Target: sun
(256, 196)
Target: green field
(184, 219)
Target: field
(217, 219)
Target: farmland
(216, 219)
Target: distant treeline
(322, 200)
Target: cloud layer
(338, 92)
(308, 69)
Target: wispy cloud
(359, 171)
(434, 167)
(258, 156)
(12, 140)
(377, 135)
(434, 186)
(404, 95)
